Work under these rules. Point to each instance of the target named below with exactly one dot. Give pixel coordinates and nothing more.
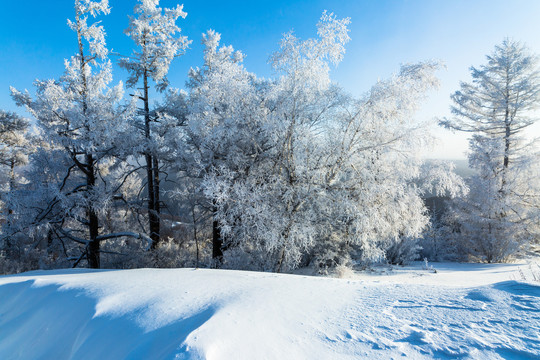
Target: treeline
(244, 172)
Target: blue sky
(35, 39)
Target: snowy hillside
(462, 311)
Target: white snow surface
(468, 311)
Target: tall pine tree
(497, 108)
(158, 42)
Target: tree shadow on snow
(49, 322)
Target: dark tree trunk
(49, 240)
(156, 226)
(507, 133)
(153, 217)
(217, 241)
(93, 222)
(152, 173)
(195, 237)
(7, 243)
(93, 255)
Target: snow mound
(217, 314)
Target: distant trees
(500, 214)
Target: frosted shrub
(248, 259)
(442, 241)
(30, 258)
(428, 267)
(403, 251)
(170, 253)
(343, 272)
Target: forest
(234, 170)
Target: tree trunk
(506, 160)
(280, 260)
(217, 241)
(93, 255)
(195, 237)
(153, 218)
(49, 240)
(507, 133)
(157, 205)
(153, 205)
(93, 222)
(10, 210)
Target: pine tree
(497, 108)
(84, 125)
(158, 42)
(14, 150)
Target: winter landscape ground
(469, 311)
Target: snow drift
(464, 311)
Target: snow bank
(467, 311)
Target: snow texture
(468, 311)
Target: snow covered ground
(470, 311)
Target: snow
(471, 311)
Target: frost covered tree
(14, 144)
(13, 140)
(158, 42)
(500, 214)
(300, 172)
(14, 150)
(224, 123)
(84, 125)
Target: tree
(14, 150)
(497, 108)
(224, 124)
(300, 172)
(84, 125)
(154, 32)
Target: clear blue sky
(35, 39)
